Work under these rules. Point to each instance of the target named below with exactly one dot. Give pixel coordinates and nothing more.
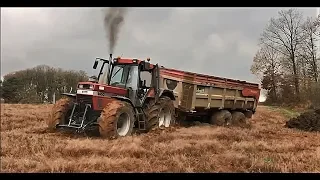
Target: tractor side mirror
(95, 64)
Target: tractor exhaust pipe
(109, 70)
(106, 74)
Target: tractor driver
(132, 77)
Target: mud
(308, 121)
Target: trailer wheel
(221, 118)
(60, 113)
(238, 118)
(116, 120)
(248, 114)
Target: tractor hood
(101, 88)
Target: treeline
(39, 84)
(287, 62)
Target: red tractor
(126, 97)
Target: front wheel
(60, 113)
(116, 120)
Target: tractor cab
(129, 78)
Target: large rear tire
(167, 112)
(60, 113)
(152, 112)
(116, 120)
(221, 118)
(160, 114)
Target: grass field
(265, 147)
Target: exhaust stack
(106, 72)
(109, 70)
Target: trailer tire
(238, 118)
(111, 115)
(221, 118)
(248, 114)
(60, 112)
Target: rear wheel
(166, 115)
(60, 113)
(160, 114)
(116, 120)
(152, 112)
(221, 118)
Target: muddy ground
(265, 147)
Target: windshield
(124, 76)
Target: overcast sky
(216, 41)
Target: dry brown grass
(266, 147)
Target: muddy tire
(238, 118)
(248, 114)
(221, 118)
(116, 120)
(60, 113)
(160, 113)
(151, 110)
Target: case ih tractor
(135, 94)
(127, 96)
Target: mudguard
(122, 98)
(167, 92)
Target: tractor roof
(129, 61)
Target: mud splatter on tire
(110, 116)
(59, 113)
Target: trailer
(211, 96)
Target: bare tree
(265, 63)
(284, 34)
(309, 49)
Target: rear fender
(163, 92)
(101, 102)
(168, 93)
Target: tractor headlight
(81, 86)
(91, 87)
(101, 88)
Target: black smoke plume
(113, 19)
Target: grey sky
(216, 41)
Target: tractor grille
(86, 86)
(84, 99)
(102, 93)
